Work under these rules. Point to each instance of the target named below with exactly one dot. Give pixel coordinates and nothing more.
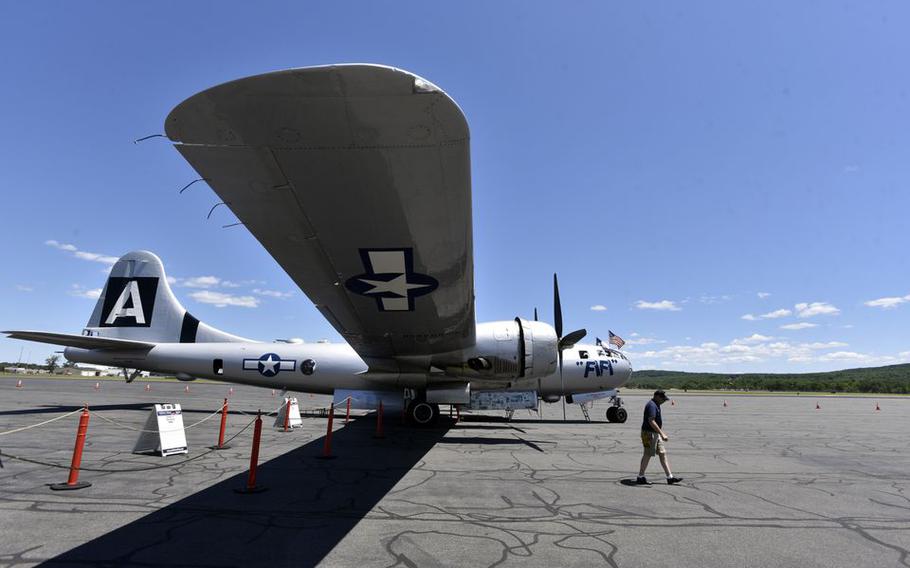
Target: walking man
(653, 438)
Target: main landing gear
(422, 413)
(616, 413)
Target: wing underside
(356, 179)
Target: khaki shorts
(652, 443)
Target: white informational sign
(500, 400)
(295, 420)
(163, 432)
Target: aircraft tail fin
(137, 304)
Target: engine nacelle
(505, 351)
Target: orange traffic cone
(725, 403)
(97, 385)
(877, 408)
(273, 392)
(148, 387)
(186, 388)
(19, 384)
(231, 390)
(817, 406)
(672, 403)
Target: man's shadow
(308, 508)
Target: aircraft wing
(80, 341)
(356, 179)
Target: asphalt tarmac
(769, 481)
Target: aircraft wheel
(620, 415)
(611, 414)
(423, 414)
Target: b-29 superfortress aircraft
(356, 179)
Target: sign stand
(294, 420)
(163, 432)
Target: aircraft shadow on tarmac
(309, 507)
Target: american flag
(616, 340)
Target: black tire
(621, 415)
(611, 414)
(423, 414)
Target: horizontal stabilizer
(80, 341)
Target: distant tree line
(893, 379)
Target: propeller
(564, 341)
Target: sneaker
(673, 480)
(642, 481)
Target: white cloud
(81, 254)
(800, 325)
(220, 299)
(825, 345)
(706, 299)
(598, 308)
(199, 282)
(845, 356)
(24, 288)
(662, 305)
(808, 310)
(754, 349)
(763, 295)
(888, 303)
(754, 338)
(273, 293)
(637, 340)
(80, 292)
(781, 313)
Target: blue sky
(729, 181)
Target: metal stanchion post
(221, 430)
(327, 445)
(379, 433)
(73, 481)
(251, 486)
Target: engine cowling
(505, 351)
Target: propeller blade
(557, 307)
(535, 314)
(572, 338)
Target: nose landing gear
(616, 413)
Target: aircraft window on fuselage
(582, 354)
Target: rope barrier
(99, 470)
(146, 468)
(128, 427)
(40, 423)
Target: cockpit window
(582, 354)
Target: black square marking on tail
(189, 328)
(120, 309)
